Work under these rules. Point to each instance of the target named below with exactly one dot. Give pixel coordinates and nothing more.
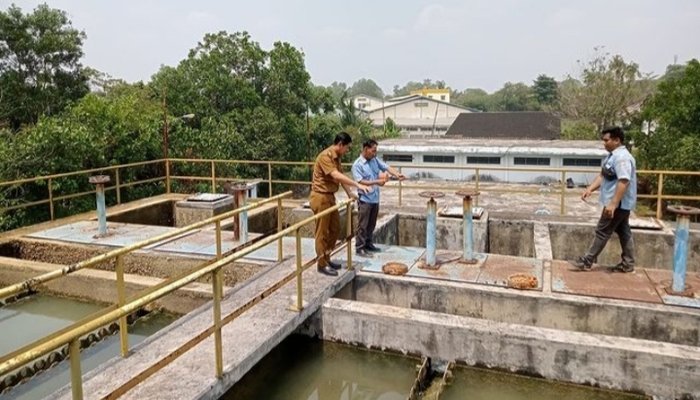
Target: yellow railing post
(400, 186)
(562, 208)
(118, 186)
(76, 376)
(167, 175)
(217, 288)
(300, 301)
(659, 196)
(269, 179)
(218, 240)
(279, 229)
(213, 177)
(51, 211)
(121, 300)
(348, 233)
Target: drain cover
(208, 197)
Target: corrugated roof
(511, 125)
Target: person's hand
(401, 177)
(365, 189)
(586, 194)
(381, 182)
(609, 210)
(353, 196)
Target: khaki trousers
(327, 227)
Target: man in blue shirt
(618, 196)
(366, 170)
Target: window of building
(582, 162)
(398, 158)
(421, 104)
(484, 160)
(438, 159)
(442, 97)
(531, 161)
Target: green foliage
(366, 87)
(674, 143)
(515, 97)
(545, 90)
(40, 70)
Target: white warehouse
(416, 156)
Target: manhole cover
(207, 197)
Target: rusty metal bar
(32, 282)
(659, 196)
(269, 179)
(167, 176)
(213, 177)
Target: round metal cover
(683, 210)
(429, 194)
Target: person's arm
(360, 178)
(384, 167)
(592, 187)
(623, 170)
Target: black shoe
(334, 265)
(327, 271)
(581, 264)
(372, 248)
(363, 253)
(622, 268)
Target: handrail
(57, 273)
(71, 335)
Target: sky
(467, 43)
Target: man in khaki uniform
(327, 176)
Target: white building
(494, 158)
(417, 115)
(366, 103)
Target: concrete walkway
(246, 340)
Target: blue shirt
(622, 163)
(368, 170)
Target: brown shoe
(327, 271)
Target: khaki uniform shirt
(326, 162)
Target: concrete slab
(246, 340)
(449, 267)
(118, 234)
(600, 282)
(400, 254)
(662, 280)
(201, 243)
(497, 268)
(289, 246)
(668, 371)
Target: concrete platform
(490, 269)
(118, 234)
(645, 285)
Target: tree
(515, 97)
(40, 69)
(474, 98)
(366, 87)
(412, 85)
(605, 92)
(545, 89)
(673, 144)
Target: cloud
(394, 34)
(436, 18)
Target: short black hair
(369, 143)
(343, 137)
(615, 132)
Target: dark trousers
(366, 221)
(620, 224)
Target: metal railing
(214, 176)
(71, 335)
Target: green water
(39, 315)
(305, 369)
(480, 384)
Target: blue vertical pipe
(101, 212)
(468, 230)
(430, 233)
(680, 253)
